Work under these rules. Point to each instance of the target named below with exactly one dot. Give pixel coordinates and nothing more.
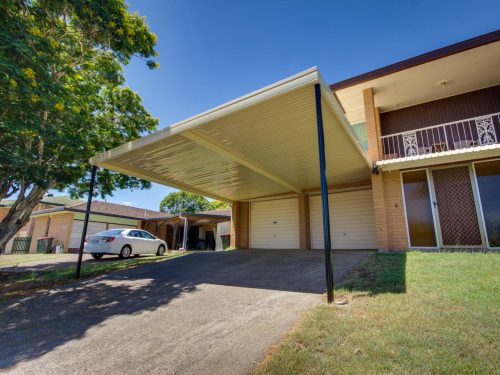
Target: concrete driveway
(204, 313)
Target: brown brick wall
(396, 234)
(390, 221)
(379, 210)
(304, 222)
(240, 220)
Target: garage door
(274, 224)
(352, 220)
(76, 231)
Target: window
(360, 131)
(488, 182)
(111, 232)
(418, 209)
(147, 235)
(135, 233)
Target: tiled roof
(117, 209)
(58, 200)
(215, 212)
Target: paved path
(204, 313)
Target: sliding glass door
(418, 209)
(488, 182)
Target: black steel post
(324, 196)
(86, 221)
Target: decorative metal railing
(472, 132)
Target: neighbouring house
(206, 230)
(411, 151)
(62, 218)
(48, 201)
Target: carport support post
(324, 195)
(86, 221)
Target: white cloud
(127, 203)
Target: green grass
(22, 284)
(415, 313)
(15, 259)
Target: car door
(149, 241)
(136, 241)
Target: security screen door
(456, 208)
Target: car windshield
(111, 232)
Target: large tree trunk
(19, 214)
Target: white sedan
(124, 243)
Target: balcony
(478, 133)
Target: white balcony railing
(472, 132)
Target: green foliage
(183, 201)
(218, 205)
(63, 95)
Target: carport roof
(261, 144)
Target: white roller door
(352, 220)
(76, 231)
(274, 224)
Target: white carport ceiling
(261, 144)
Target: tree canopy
(63, 96)
(183, 201)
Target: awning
(261, 144)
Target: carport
(281, 141)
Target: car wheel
(97, 256)
(125, 252)
(161, 250)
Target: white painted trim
(440, 125)
(438, 157)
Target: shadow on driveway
(35, 325)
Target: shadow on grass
(380, 273)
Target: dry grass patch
(425, 313)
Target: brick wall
(304, 222)
(396, 224)
(240, 220)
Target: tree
(218, 205)
(183, 201)
(63, 97)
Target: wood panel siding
(454, 108)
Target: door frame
(432, 210)
(475, 196)
(480, 204)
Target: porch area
(461, 140)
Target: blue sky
(212, 51)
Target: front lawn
(415, 313)
(13, 284)
(15, 259)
